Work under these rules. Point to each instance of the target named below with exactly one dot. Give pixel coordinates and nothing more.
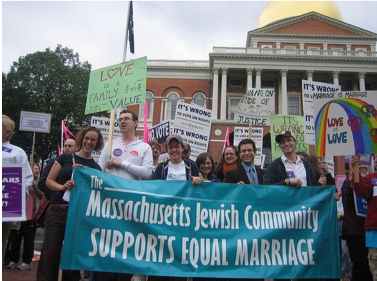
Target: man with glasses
(289, 169)
(246, 172)
(130, 159)
(70, 146)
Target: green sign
(117, 86)
(294, 124)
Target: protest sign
(103, 124)
(345, 123)
(308, 88)
(193, 123)
(35, 122)
(255, 107)
(117, 86)
(241, 133)
(211, 230)
(294, 124)
(13, 193)
(159, 133)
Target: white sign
(241, 133)
(308, 88)
(35, 122)
(103, 124)
(193, 123)
(255, 107)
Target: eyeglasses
(229, 154)
(247, 150)
(124, 119)
(206, 163)
(89, 139)
(68, 145)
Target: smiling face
(287, 145)
(89, 142)
(247, 154)
(175, 151)
(36, 171)
(206, 167)
(230, 155)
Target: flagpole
(61, 139)
(126, 36)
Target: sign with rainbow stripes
(345, 123)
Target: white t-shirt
(176, 171)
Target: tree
(53, 82)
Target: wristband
(287, 181)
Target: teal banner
(172, 228)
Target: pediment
(313, 24)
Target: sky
(167, 30)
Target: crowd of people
(131, 158)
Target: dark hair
(201, 159)
(155, 143)
(303, 153)
(134, 116)
(81, 134)
(188, 146)
(313, 161)
(247, 141)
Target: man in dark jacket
(246, 172)
(289, 169)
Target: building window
(235, 83)
(172, 105)
(233, 105)
(268, 84)
(314, 50)
(266, 49)
(149, 98)
(199, 99)
(337, 51)
(290, 50)
(294, 105)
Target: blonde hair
(9, 125)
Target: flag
(130, 28)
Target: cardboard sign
(255, 107)
(345, 123)
(117, 86)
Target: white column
(309, 74)
(362, 81)
(284, 93)
(258, 78)
(223, 94)
(215, 93)
(249, 72)
(335, 76)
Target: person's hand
(295, 182)
(69, 184)
(337, 196)
(113, 163)
(241, 182)
(195, 180)
(322, 180)
(76, 165)
(355, 159)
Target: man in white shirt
(12, 154)
(289, 169)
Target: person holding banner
(246, 172)
(13, 155)
(367, 188)
(206, 167)
(59, 180)
(289, 169)
(229, 160)
(130, 157)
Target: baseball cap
(174, 136)
(284, 134)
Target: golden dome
(277, 10)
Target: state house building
(293, 41)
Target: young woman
(229, 160)
(59, 180)
(206, 167)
